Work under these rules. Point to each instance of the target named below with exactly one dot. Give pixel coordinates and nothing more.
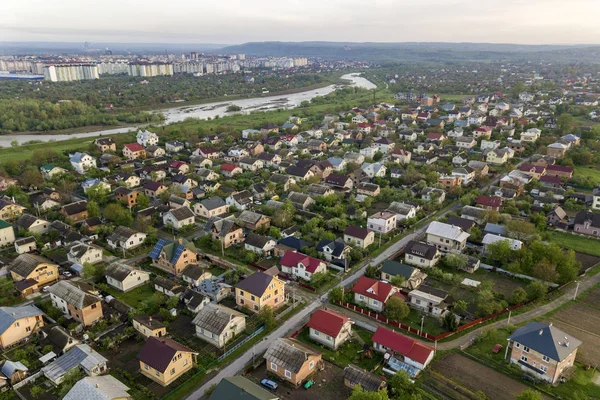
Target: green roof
(395, 268)
(240, 388)
(4, 224)
(47, 167)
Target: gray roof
(10, 367)
(213, 203)
(25, 263)
(474, 212)
(366, 380)
(424, 250)
(222, 226)
(182, 213)
(26, 220)
(78, 249)
(546, 339)
(121, 233)
(240, 388)
(105, 387)
(8, 315)
(119, 271)
(74, 293)
(447, 231)
(288, 354)
(249, 217)
(80, 355)
(193, 271)
(255, 240)
(215, 318)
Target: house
(164, 360)
(32, 224)
(406, 351)
(168, 287)
(155, 151)
(25, 245)
(105, 144)
(240, 200)
(368, 189)
(431, 194)
(474, 214)
(253, 221)
(10, 210)
(367, 381)
(467, 174)
(7, 234)
(329, 328)
(497, 156)
(490, 238)
(449, 181)
(315, 189)
(482, 132)
(207, 152)
(400, 156)
(218, 325)
(178, 167)
(174, 146)
(373, 293)
(413, 277)
(82, 162)
(489, 202)
(194, 274)
(291, 361)
(299, 172)
(230, 170)
(556, 150)
(374, 169)
(75, 212)
(154, 189)
(75, 299)
(531, 136)
(358, 236)
(447, 238)
(587, 223)
(57, 337)
(82, 253)
(559, 171)
(179, 218)
(259, 244)
(173, 256)
(133, 151)
(301, 201)
(226, 230)
(251, 164)
(81, 357)
(421, 254)
(542, 350)
(238, 387)
(18, 324)
(339, 181)
(261, 289)
(13, 372)
(125, 238)
(124, 277)
(127, 196)
(146, 138)
(211, 207)
(300, 265)
(557, 217)
(100, 388)
(148, 326)
(429, 300)
(49, 171)
(382, 222)
(30, 271)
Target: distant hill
(99, 47)
(419, 52)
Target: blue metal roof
(157, 249)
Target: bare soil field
(592, 298)
(581, 315)
(475, 377)
(587, 260)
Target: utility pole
(222, 248)
(509, 313)
(576, 290)
(422, 321)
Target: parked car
(270, 384)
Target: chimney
(180, 241)
(541, 332)
(150, 318)
(97, 386)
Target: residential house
(211, 207)
(429, 300)
(241, 200)
(259, 244)
(482, 132)
(75, 212)
(164, 360)
(413, 277)
(230, 170)
(400, 156)
(33, 224)
(146, 138)
(447, 238)
(253, 221)
(339, 181)
(489, 202)
(432, 194)
(80, 357)
(382, 222)
(9, 210)
(466, 142)
(174, 146)
(155, 151)
(556, 150)
(410, 354)
(374, 169)
(291, 361)
(543, 350)
(421, 255)
(358, 236)
(587, 223)
(124, 277)
(475, 214)
(218, 325)
(168, 287)
(299, 173)
(450, 181)
(300, 265)
(178, 167)
(173, 256)
(179, 218)
(82, 162)
(367, 381)
(301, 201)
(76, 299)
(154, 189)
(261, 289)
(30, 271)
(559, 171)
(238, 387)
(251, 164)
(99, 387)
(497, 156)
(7, 234)
(127, 196)
(329, 328)
(83, 253)
(372, 293)
(368, 189)
(133, 151)
(18, 323)
(194, 274)
(148, 326)
(557, 217)
(105, 144)
(403, 210)
(225, 230)
(490, 238)
(25, 245)
(49, 171)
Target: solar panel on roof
(177, 253)
(157, 249)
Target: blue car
(268, 383)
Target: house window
(28, 329)
(256, 307)
(185, 362)
(252, 298)
(274, 366)
(146, 367)
(173, 371)
(316, 333)
(417, 301)
(517, 345)
(375, 303)
(523, 358)
(526, 349)
(288, 374)
(311, 365)
(157, 373)
(546, 358)
(361, 297)
(543, 368)
(174, 359)
(16, 324)
(241, 293)
(94, 306)
(179, 356)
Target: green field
(134, 297)
(592, 172)
(26, 152)
(578, 243)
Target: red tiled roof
(435, 136)
(356, 231)
(292, 259)
(207, 150)
(228, 167)
(489, 201)
(483, 129)
(372, 288)
(328, 322)
(176, 164)
(528, 167)
(559, 168)
(402, 345)
(134, 147)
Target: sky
(240, 21)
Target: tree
(118, 214)
(275, 232)
(371, 272)
(401, 387)
(337, 294)
(359, 394)
(500, 251)
(267, 317)
(31, 177)
(536, 290)
(545, 271)
(518, 296)
(529, 394)
(521, 230)
(142, 201)
(460, 306)
(284, 216)
(456, 261)
(396, 309)
(98, 193)
(398, 280)
(450, 321)
(93, 209)
(319, 279)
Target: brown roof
(159, 352)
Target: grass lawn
(430, 325)
(348, 353)
(135, 296)
(592, 172)
(25, 152)
(216, 270)
(578, 243)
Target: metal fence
(240, 344)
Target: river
(204, 111)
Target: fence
(521, 276)
(30, 378)
(237, 346)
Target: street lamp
(576, 289)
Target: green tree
(93, 209)
(267, 317)
(319, 279)
(460, 306)
(275, 232)
(401, 387)
(456, 261)
(536, 290)
(521, 230)
(529, 394)
(396, 309)
(450, 321)
(118, 214)
(359, 394)
(500, 251)
(398, 280)
(337, 294)
(98, 193)
(518, 296)
(142, 201)
(371, 272)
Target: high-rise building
(149, 69)
(70, 72)
(113, 68)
